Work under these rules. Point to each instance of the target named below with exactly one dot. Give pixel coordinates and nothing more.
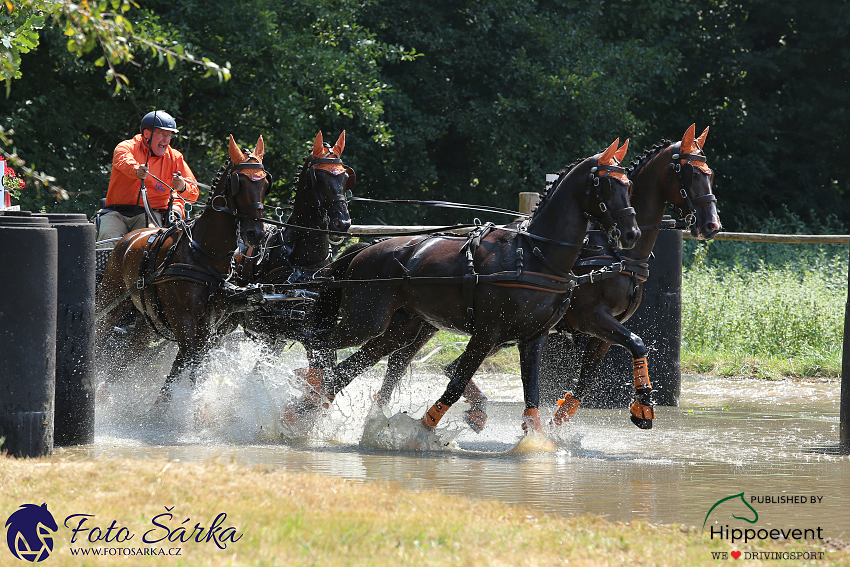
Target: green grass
(293, 519)
(769, 321)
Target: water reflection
(729, 436)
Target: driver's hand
(177, 182)
(142, 171)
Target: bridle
(607, 220)
(324, 206)
(686, 178)
(234, 186)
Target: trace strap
(444, 204)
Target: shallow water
(768, 440)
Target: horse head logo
(733, 497)
(30, 532)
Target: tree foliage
(468, 100)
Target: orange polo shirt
(124, 186)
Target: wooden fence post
(527, 202)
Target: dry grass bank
(300, 519)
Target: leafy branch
(87, 24)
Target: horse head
(245, 189)
(689, 181)
(328, 178)
(606, 199)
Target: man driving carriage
(146, 160)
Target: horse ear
(260, 148)
(621, 153)
(340, 144)
(688, 140)
(609, 153)
(318, 146)
(234, 151)
(701, 139)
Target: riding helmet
(159, 119)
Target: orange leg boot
(641, 411)
(315, 398)
(433, 416)
(476, 415)
(316, 393)
(567, 408)
(531, 421)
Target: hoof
(642, 423)
(476, 417)
(642, 415)
(531, 421)
(567, 407)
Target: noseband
(685, 184)
(607, 221)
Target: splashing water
(402, 432)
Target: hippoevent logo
(30, 532)
(739, 507)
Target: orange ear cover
(605, 158)
(236, 155)
(318, 147)
(340, 145)
(609, 157)
(320, 151)
(621, 153)
(260, 149)
(692, 145)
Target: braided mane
(646, 157)
(217, 179)
(561, 174)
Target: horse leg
(477, 349)
(594, 351)
(324, 384)
(314, 376)
(404, 330)
(119, 352)
(529, 359)
(399, 361)
(187, 330)
(610, 331)
(476, 415)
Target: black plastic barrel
(658, 322)
(28, 267)
(75, 387)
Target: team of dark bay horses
(576, 264)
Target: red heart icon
(736, 554)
